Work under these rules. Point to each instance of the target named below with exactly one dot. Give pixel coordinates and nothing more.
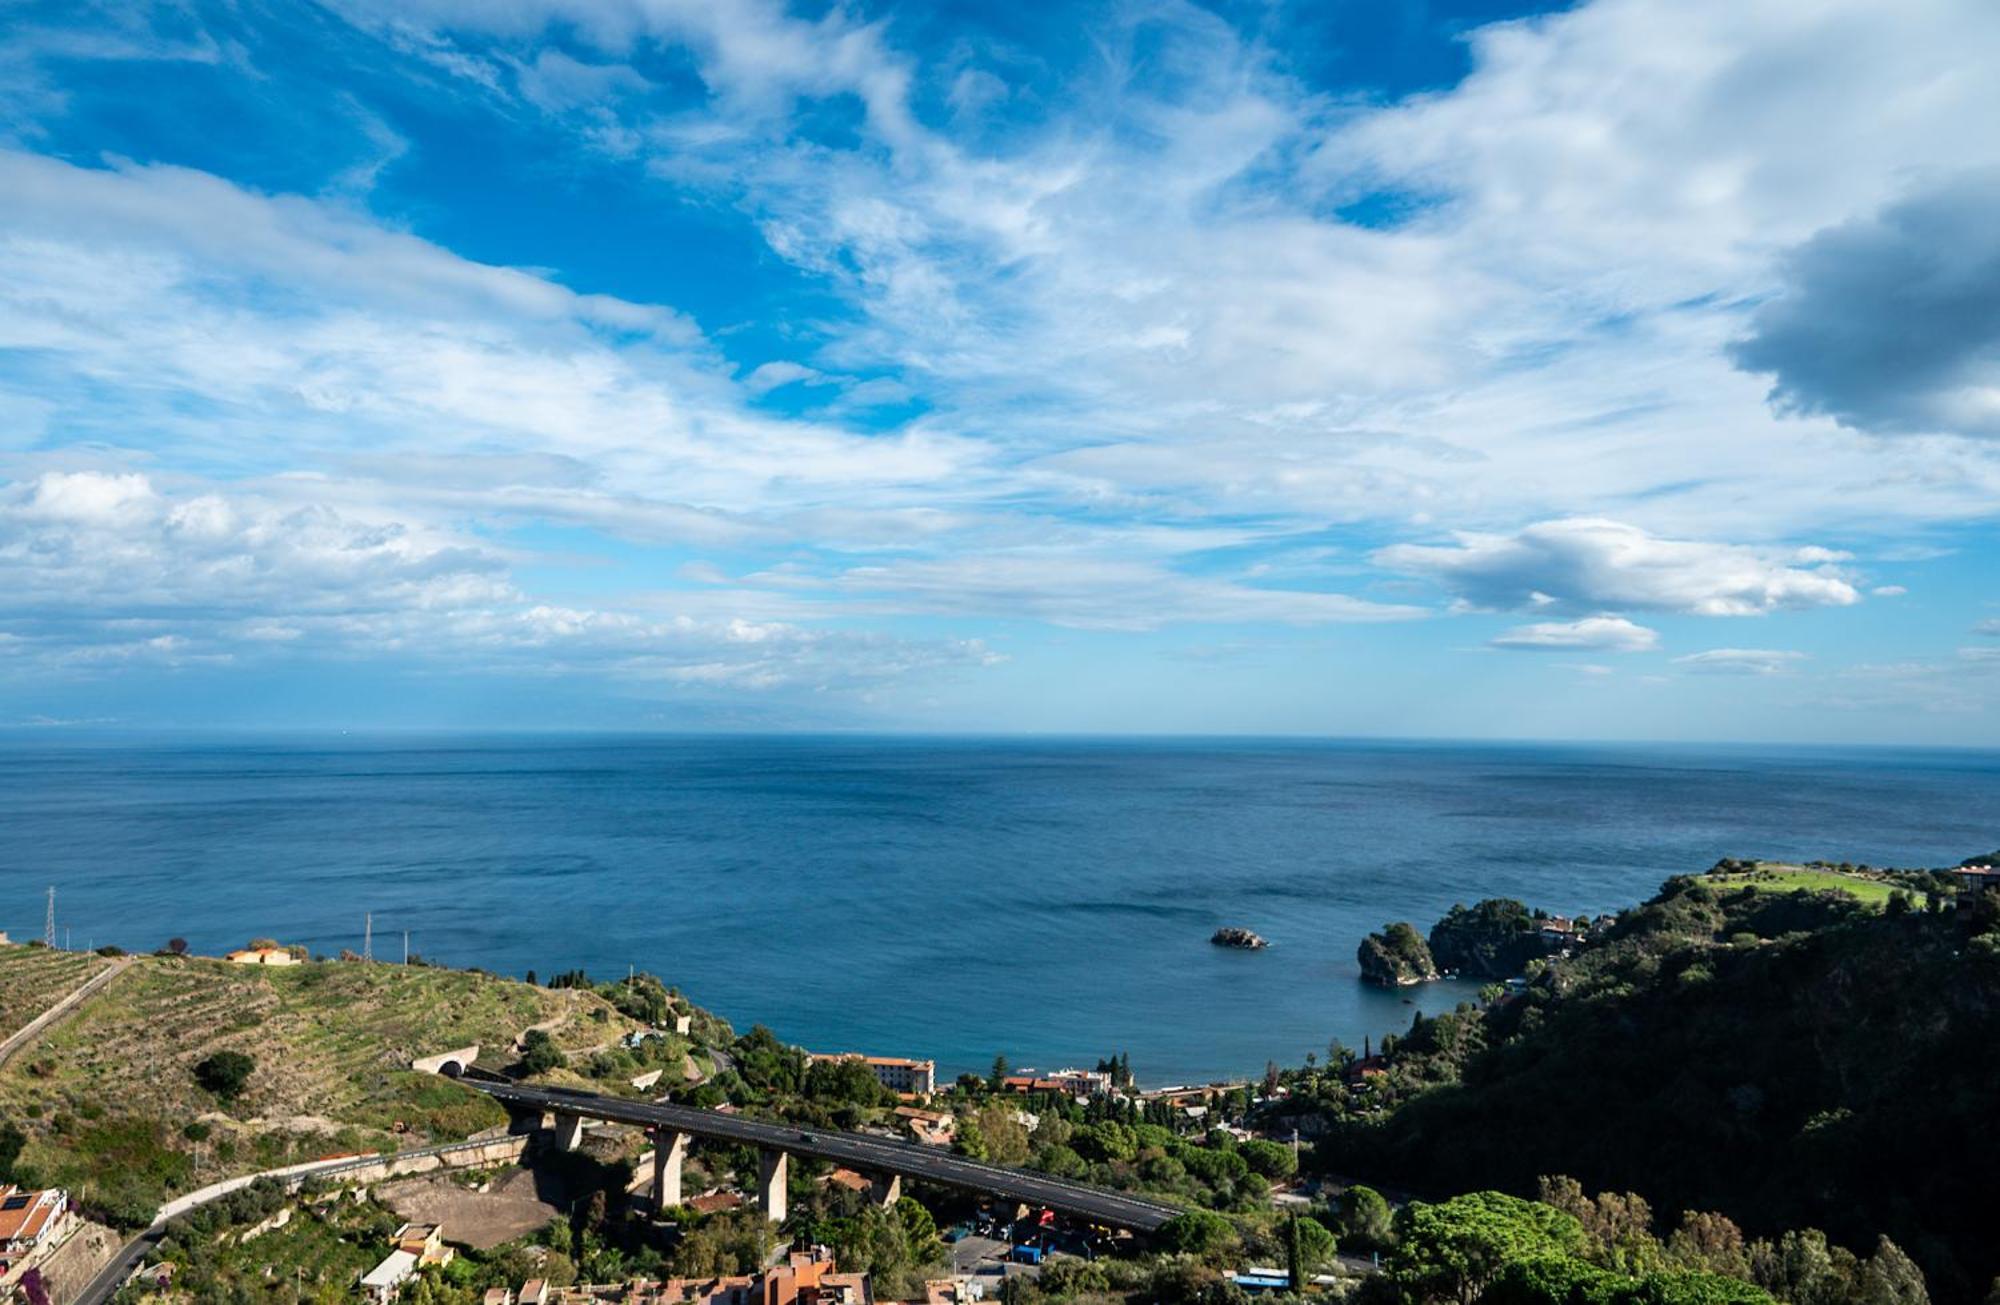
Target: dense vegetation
(1494, 940)
(1396, 955)
(1790, 1059)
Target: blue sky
(1618, 369)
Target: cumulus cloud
(1891, 323)
(1741, 661)
(1592, 563)
(1608, 633)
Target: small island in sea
(1232, 936)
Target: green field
(1799, 879)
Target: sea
(1046, 900)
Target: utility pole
(49, 924)
(406, 946)
(368, 937)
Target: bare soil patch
(513, 1207)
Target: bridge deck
(881, 1155)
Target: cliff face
(1396, 956)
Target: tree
(1317, 1246)
(1892, 1278)
(177, 946)
(1202, 1233)
(539, 1052)
(1619, 1225)
(1271, 1159)
(12, 1140)
(225, 1073)
(1709, 1241)
(1366, 1220)
(998, 1078)
(1452, 1250)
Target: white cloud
(1609, 633)
(1065, 588)
(1592, 563)
(1158, 273)
(1989, 626)
(100, 570)
(1741, 661)
(1135, 327)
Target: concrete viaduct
(671, 1126)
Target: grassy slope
(1796, 879)
(105, 1095)
(32, 979)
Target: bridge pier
(888, 1190)
(773, 1175)
(669, 1151)
(569, 1131)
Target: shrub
(540, 1054)
(225, 1073)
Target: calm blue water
(1052, 901)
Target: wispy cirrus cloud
(1742, 661)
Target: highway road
(880, 1155)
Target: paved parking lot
(985, 1256)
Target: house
(32, 1224)
(848, 1179)
(931, 1127)
(716, 1202)
(533, 1292)
(262, 956)
(384, 1282)
(1367, 1067)
(910, 1078)
(1977, 878)
(1067, 1082)
(425, 1241)
(735, 1289)
(497, 1296)
(1561, 931)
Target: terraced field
(106, 1096)
(32, 979)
